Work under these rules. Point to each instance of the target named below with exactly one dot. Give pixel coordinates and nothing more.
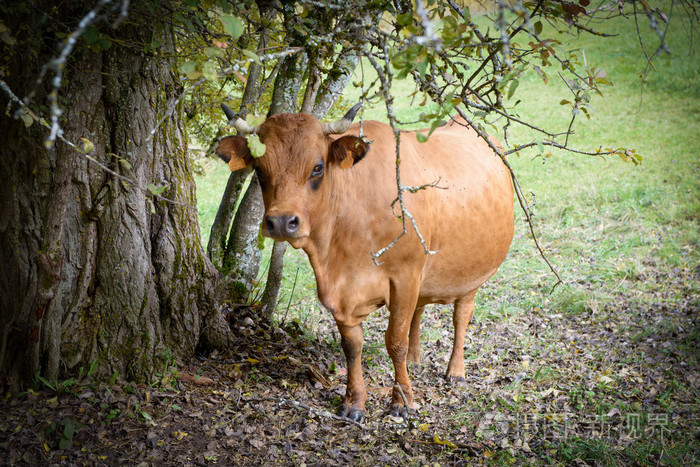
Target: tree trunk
(274, 280)
(337, 79)
(91, 269)
(243, 252)
(217, 247)
(242, 256)
(287, 84)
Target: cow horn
(237, 122)
(342, 125)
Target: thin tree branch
(58, 64)
(385, 77)
(83, 153)
(518, 191)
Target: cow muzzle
(282, 227)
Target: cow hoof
(351, 413)
(398, 410)
(455, 380)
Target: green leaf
(257, 147)
(147, 416)
(155, 190)
(5, 35)
(254, 120)
(542, 74)
(26, 118)
(421, 137)
(90, 35)
(232, 26)
(104, 42)
(66, 441)
(187, 67)
(93, 367)
(513, 86)
(88, 146)
(538, 27)
(209, 71)
(404, 18)
(252, 56)
(46, 382)
(214, 52)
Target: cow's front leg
(355, 394)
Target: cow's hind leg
(463, 311)
(355, 393)
(401, 311)
(414, 335)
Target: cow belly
(472, 234)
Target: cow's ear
(347, 151)
(234, 150)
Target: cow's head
(294, 173)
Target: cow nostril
(270, 224)
(293, 224)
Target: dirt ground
(602, 386)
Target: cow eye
(317, 171)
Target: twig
(58, 64)
(317, 412)
(554, 144)
(408, 417)
(80, 151)
(289, 303)
(518, 192)
(385, 79)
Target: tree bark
(274, 280)
(217, 247)
(91, 269)
(242, 257)
(335, 82)
(287, 84)
(243, 252)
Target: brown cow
(331, 194)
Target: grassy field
(611, 355)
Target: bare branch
(385, 77)
(80, 151)
(518, 191)
(429, 38)
(317, 412)
(58, 64)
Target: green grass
(598, 218)
(624, 239)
